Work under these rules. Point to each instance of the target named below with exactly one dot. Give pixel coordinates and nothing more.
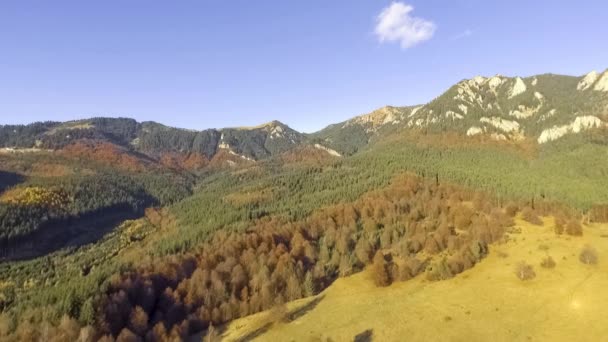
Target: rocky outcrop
(579, 124)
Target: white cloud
(464, 34)
(395, 24)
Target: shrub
(456, 264)
(278, 313)
(511, 209)
(439, 270)
(560, 223)
(588, 256)
(405, 273)
(529, 215)
(414, 266)
(543, 247)
(524, 271)
(548, 262)
(574, 228)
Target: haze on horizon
(199, 65)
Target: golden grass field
(486, 303)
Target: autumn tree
(68, 329)
(212, 335)
(127, 335)
(363, 251)
(379, 270)
(138, 321)
(309, 286)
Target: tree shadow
(9, 179)
(289, 317)
(366, 336)
(304, 309)
(256, 333)
(69, 233)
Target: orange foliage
(237, 273)
(50, 170)
(106, 153)
(239, 199)
(224, 158)
(190, 161)
(306, 155)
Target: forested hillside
(544, 108)
(47, 193)
(115, 229)
(153, 138)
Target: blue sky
(201, 64)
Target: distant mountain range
(542, 108)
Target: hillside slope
(541, 108)
(485, 303)
(155, 139)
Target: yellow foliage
(132, 230)
(30, 283)
(5, 284)
(31, 196)
(238, 199)
(4, 287)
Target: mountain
(248, 143)
(542, 108)
(118, 229)
(350, 136)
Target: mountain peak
(588, 80)
(268, 125)
(513, 108)
(379, 117)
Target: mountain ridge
(542, 107)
